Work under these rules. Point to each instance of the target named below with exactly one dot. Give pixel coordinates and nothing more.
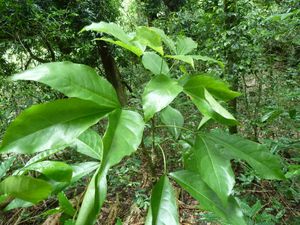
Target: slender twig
(164, 158)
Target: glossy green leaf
(214, 169)
(148, 220)
(155, 63)
(256, 155)
(74, 80)
(93, 198)
(26, 188)
(116, 143)
(217, 88)
(116, 147)
(207, 59)
(173, 119)
(185, 58)
(89, 143)
(51, 125)
(83, 169)
(65, 204)
(219, 112)
(203, 121)
(208, 199)
(167, 40)
(5, 165)
(158, 94)
(43, 155)
(163, 203)
(135, 49)
(150, 38)
(208, 106)
(55, 170)
(185, 45)
(80, 170)
(108, 28)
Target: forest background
(257, 44)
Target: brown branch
(50, 49)
(33, 56)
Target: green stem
(164, 158)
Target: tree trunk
(111, 71)
(231, 57)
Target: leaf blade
(163, 203)
(155, 63)
(73, 80)
(158, 93)
(89, 143)
(51, 125)
(197, 188)
(26, 188)
(256, 155)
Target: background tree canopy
(217, 82)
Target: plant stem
(164, 158)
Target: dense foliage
(216, 83)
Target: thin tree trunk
(231, 57)
(111, 71)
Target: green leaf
(51, 125)
(185, 45)
(173, 119)
(116, 143)
(208, 106)
(55, 170)
(43, 155)
(136, 50)
(269, 116)
(268, 166)
(219, 112)
(65, 204)
(203, 121)
(150, 38)
(116, 147)
(214, 169)
(17, 203)
(159, 93)
(163, 203)
(185, 58)
(93, 198)
(208, 59)
(119, 222)
(217, 88)
(208, 199)
(155, 63)
(293, 171)
(168, 41)
(69, 222)
(149, 218)
(83, 169)
(108, 28)
(5, 165)
(74, 80)
(26, 188)
(89, 143)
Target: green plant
(48, 128)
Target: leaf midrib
(213, 166)
(53, 124)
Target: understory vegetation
(150, 112)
